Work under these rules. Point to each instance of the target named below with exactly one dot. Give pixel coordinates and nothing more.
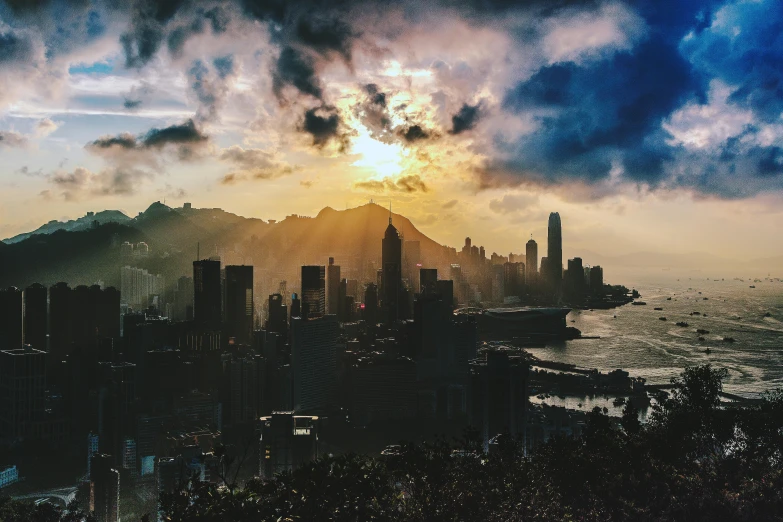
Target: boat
(728, 339)
(639, 303)
(752, 286)
(657, 308)
(662, 319)
(695, 313)
(702, 331)
(682, 323)
(668, 298)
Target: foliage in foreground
(693, 460)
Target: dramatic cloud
(408, 184)
(466, 119)
(253, 164)
(589, 98)
(296, 69)
(324, 125)
(127, 150)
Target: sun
(384, 159)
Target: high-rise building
(104, 488)
(313, 291)
(392, 273)
(22, 391)
(59, 322)
(575, 279)
(36, 316)
(513, 279)
(498, 394)
(239, 303)
(10, 319)
(207, 297)
(531, 259)
(296, 306)
(554, 251)
(411, 254)
(428, 279)
(277, 311)
(333, 293)
(92, 449)
(183, 300)
(370, 304)
(288, 441)
(245, 388)
(597, 280)
(314, 363)
(137, 287)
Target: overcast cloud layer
(586, 99)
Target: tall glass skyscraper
(392, 272)
(554, 252)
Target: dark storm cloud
(326, 35)
(183, 135)
(414, 133)
(752, 61)
(15, 48)
(148, 29)
(122, 141)
(376, 97)
(296, 69)
(466, 119)
(588, 116)
(323, 124)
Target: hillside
(82, 223)
(174, 235)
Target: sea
(635, 339)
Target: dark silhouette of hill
(83, 223)
(85, 256)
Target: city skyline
(473, 121)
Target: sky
(649, 125)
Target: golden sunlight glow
(385, 159)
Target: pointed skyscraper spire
(390, 212)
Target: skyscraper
(333, 292)
(22, 391)
(36, 316)
(59, 322)
(239, 303)
(392, 273)
(314, 363)
(428, 279)
(313, 291)
(207, 303)
(104, 489)
(531, 259)
(555, 248)
(10, 319)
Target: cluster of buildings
(524, 279)
(152, 395)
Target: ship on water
(521, 324)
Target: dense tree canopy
(695, 459)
